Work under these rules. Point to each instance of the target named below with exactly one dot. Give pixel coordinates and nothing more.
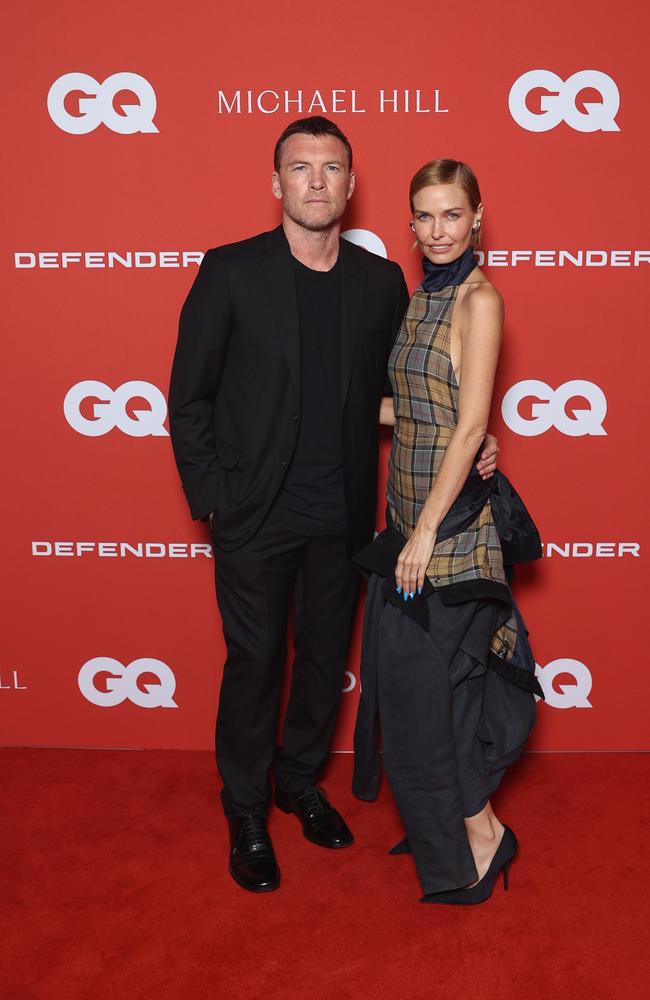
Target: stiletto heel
(482, 889)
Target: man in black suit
(274, 404)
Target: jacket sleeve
(199, 360)
(401, 304)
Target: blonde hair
(449, 172)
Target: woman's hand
(413, 561)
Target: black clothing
(450, 724)
(377, 563)
(242, 390)
(312, 499)
(255, 587)
(454, 715)
(235, 396)
(237, 405)
(437, 276)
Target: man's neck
(318, 250)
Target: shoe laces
(315, 801)
(254, 835)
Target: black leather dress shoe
(320, 821)
(252, 859)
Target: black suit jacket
(235, 391)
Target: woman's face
(443, 222)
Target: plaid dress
(425, 399)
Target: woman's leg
(484, 832)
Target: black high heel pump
(482, 890)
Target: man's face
(314, 181)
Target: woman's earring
(412, 226)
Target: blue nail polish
(399, 590)
(419, 590)
(406, 596)
(411, 595)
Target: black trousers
(257, 585)
(450, 725)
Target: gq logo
(547, 407)
(106, 409)
(574, 695)
(121, 683)
(78, 104)
(558, 102)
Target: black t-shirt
(311, 500)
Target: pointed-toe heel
(482, 890)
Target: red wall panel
(407, 84)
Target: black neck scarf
(437, 276)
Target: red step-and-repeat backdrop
(137, 136)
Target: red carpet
(115, 886)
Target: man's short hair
(315, 125)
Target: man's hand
(488, 461)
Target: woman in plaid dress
(445, 658)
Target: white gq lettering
(96, 104)
(123, 683)
(109, 409)
(570, 695)
(559, 102)
(366, 239)
(549, 408)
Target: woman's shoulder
(480, 295)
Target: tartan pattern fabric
(425, 400)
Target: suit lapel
(278, 271)
(351, 303)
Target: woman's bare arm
(481, 327)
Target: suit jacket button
(295, 416)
